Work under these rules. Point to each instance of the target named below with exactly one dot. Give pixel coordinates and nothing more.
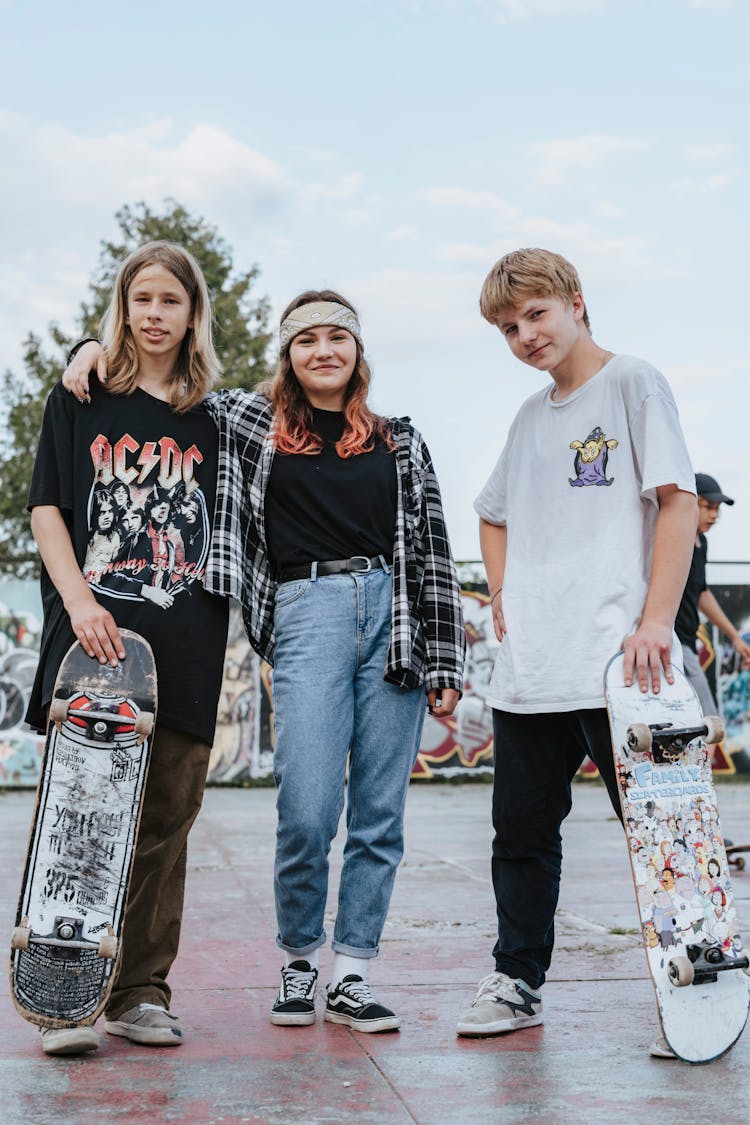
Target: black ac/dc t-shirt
(136, 484)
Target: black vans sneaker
(295, 1004)
(352, 1003)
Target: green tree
(241, 337)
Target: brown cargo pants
(153, 916)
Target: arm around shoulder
(85, 357)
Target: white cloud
(714, 5)
(60, 189)
(511, 9)
(608, 210)
(357, 216)
(398, 234)
(446, 196)
(563, 157)
(599, 254)
(89, 176)
(523, 9)
(704, 186)
(344, 187)
(466, 252)
(416, 311)
(708, 153)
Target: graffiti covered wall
(20, 633)
(243, 748)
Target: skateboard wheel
(680, 971)
(144, 723)
(738, 862)
(639, 736)
(107, 947)
(20, 937)
(714, 728)
(58, 710)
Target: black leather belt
(356, 565)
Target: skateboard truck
(101, 715)
(65, 940)
(668, 743)
(702, 965)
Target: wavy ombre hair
(294, 414)
(197, 365)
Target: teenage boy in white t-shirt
(587, 526)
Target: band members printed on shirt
(148, 522)
(104, 531)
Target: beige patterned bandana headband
(315, 314)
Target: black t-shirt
(136, 485)
(322, 506)
(686, 623)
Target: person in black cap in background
(697, 596)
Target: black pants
(536, 758)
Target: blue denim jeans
(333, 707)
(536, 759)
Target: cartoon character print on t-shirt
(590, 462)
(147, 519)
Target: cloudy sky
(394, 150)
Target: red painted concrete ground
(587, 1063)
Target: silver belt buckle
(360, 569)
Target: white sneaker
(69, 1040)
(501, 1004)
(148, 1024)
(660, 1049)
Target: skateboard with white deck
(695, 955)
(65, 943)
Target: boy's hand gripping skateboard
(75, 885)
(695, 954)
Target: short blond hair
(524, 274)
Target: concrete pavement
(588, 1063)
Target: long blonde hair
(197, 364)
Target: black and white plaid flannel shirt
(427, 632)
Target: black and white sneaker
(295, 1004)
(351, 1002)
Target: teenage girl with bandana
(329, 530)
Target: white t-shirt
(576, 486)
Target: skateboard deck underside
(679, 866)
(82, 839)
